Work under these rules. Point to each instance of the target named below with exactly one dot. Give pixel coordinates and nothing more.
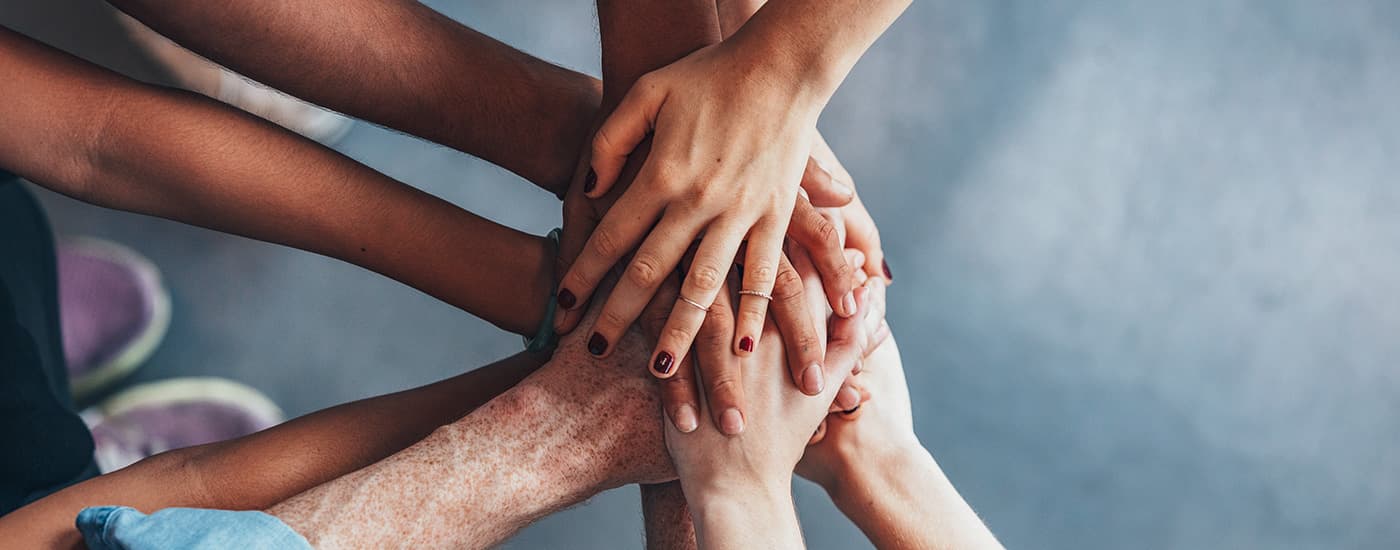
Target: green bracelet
(544, 336)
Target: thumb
(822, 189)
(620, 133)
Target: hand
(882, 425)
(730, 174)
(781, 419)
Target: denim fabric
(124, 528)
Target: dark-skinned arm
(400, 64)
(91, 134)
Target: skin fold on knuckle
(705, 278)
(644, 271)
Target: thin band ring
(759, 293)
(694, 303)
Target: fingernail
(848, 304)
(812, 379)
(685, 419)
(597, 344)
(590, 182)
(664, 362)
(566, 299)
(731, 422)
(746, 344)
(848, 398)
(886, 266)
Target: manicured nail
(597, 344)
(848, 304)
(590, 182)
(886, 266)
(731, 422)
(746, 344)
(664, 362)
(848, 398)
(566, 299)
(685, 419)
(812, 379)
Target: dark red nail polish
(590, 182)
(886, 266)
(746, 343)
(566, 299)
(664, 362)
(597, 344)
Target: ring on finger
(758, 293)
(693, 303)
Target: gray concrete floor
(1147, 260)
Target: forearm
(667, 517)
(901, 499)
(468, 485)
(101, 138)
(754, 515)
(400, 64)
(815, 43)
(639, 36)
(734, 13)
(267, 467)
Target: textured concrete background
(1147, 260)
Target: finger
(862, 234)
(579, 223)
(761, 256)
(819, 434)
(653, 263)
(820, 237)
(624, 226)
(713, 260)
(874, 319)
(800, 338)
(719, 368)
(823, 190)
(846, 343)
(680, 398)
(856, 259)
(620, 133)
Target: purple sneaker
(153, 418)
(114, 312)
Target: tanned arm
(400, 64)
(259, 470)
(101, 138)
(639, 37)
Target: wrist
(878, 470)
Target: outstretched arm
(267, 467)
(575, 427)
(401, 64)
(102, 138)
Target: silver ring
(702, 307)
(759, 293)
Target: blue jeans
(124, 528)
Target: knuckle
(807, 342)
(611, 319)
(753, 316)
(604, 243)
(679, 335)
(826, 231)
(723, 386)
(789, 286)
(761, 273)
(644, 271)
(706, 277)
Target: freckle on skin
(362, 249)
